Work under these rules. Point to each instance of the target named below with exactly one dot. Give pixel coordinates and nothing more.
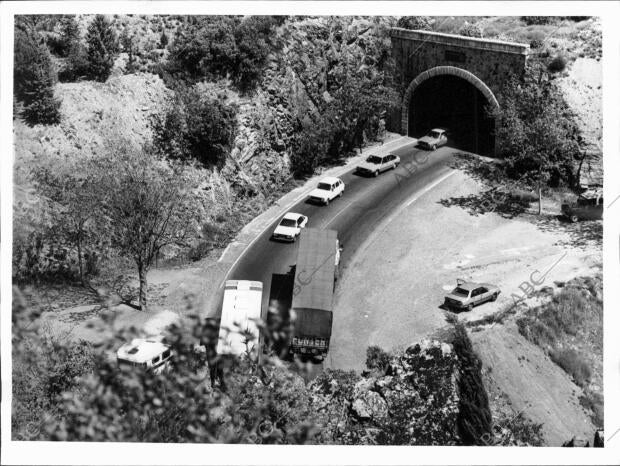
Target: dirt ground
(521, 378)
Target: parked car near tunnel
(466, 295)
(589, 206)
(435, 138)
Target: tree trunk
(143, 284)
(539, 200)
(81, 267)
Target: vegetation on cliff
(425, 395)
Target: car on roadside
(435, 138)
(589, 206)
(466, 295)
(290, 227)
(375, 164)
(327, 190)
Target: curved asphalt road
(365, 202)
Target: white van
(150, 354)
(241, 311)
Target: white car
(434, 138)
(290, 226)
(327, 190)
(376, 164)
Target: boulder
(369, 405)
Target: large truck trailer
(313, 290)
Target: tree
(70, 184)
(69, 34)
(536, 132)
(127, 43)
(163, 40)
(34, 78)
(151, 203)
(102, 48)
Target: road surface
(365, 202)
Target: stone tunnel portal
(451, 102)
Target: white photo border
(14, 452)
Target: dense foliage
(474, 421)
(196, 125)
(215, 47)
(471, 30)
(69, 35)
(34, 77)
(536, 131)
(420, 23)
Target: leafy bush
(536, 44)
(557, 64)
(593, 402)
(77, 64)
(420, 23)
(564, 315)
(215, 47)
(573, 364)
(377, 359)
(240, 401)
(530, 20)
(471, 30)
(44, 366)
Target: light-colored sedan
(376, 164)
(434, 138)
(327, 190)
(466, 295)
(290, 226)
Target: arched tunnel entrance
(455, 103)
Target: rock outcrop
(415, 401)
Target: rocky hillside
(412, 400)
(91, 111)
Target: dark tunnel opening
(451, 102)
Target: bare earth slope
(89, 110)
(532, 383)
